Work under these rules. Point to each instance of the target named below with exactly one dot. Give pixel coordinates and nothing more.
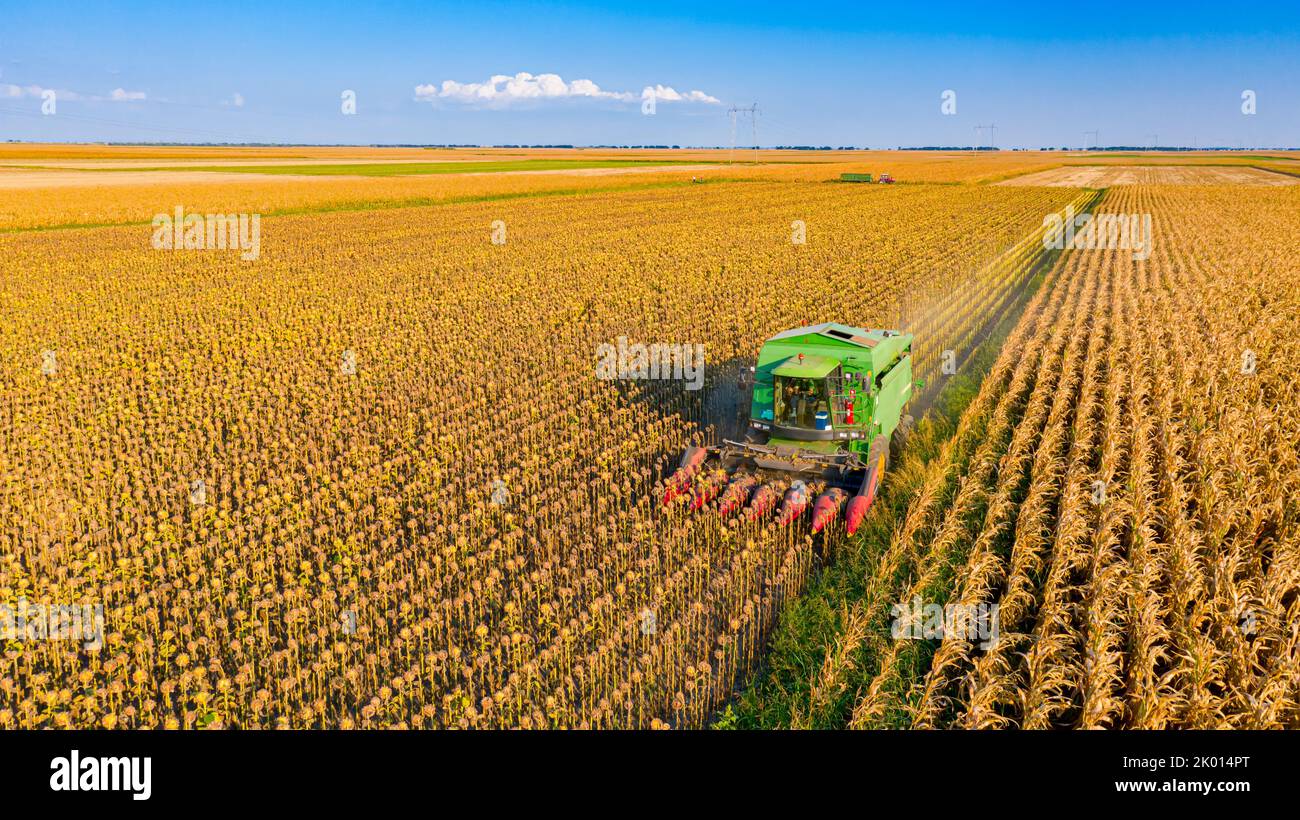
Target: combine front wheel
(899, 439)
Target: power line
(993, 134)
(752, 111)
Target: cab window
(797, 401)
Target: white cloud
(503, 89)
(236, 99)
(10, 90)
(669, 94)
(63, 95)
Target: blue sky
(836, 74)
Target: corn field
(1123, 488)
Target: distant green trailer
(855, 178)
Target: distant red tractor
(886, 179)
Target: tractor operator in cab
(799, 403)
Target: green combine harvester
(828, 400)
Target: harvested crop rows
(1101, 176)
(1123, 489)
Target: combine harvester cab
(827, 401)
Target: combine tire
(879, 447)
(899, 439)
